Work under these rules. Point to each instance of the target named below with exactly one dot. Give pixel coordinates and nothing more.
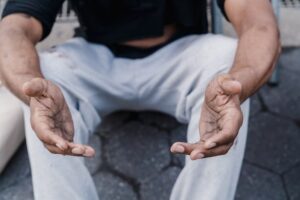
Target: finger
(82, 150)
(219, 139)
(184, 148)
(43, 132)
(230, 86)
(197, 154)
(77, 150)
(50, 138)
(226, 135)
(222, 138)
(217, 151)
(54, 149)
(35, 88)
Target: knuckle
(44, 138)
(211, 153)
(226, 151)
(41, 137)
(51, 151)
(223, 152)
(230, 136)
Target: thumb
(230, 86)
(35, 88)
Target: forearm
(19, 62)
(256, 55)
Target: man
(139, 55)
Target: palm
(51, 119)
(219, 113)
(221, 119)
(53, 114)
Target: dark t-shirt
(115, 21)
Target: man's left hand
(220, 121)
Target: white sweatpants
(172, 81)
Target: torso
(140, 24)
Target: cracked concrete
(123, 169)
(271, 167)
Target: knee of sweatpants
(214, 53)
(206, 57)
(56, 66)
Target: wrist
(245, 77)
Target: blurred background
(133, 160)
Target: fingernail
(179, 149)
(199, 156)
(211, 145)
(77, 151)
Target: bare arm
(259, 43)
(19, 62)
(258, 49)
(20, 71)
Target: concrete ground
(133, 157)
(133, 148)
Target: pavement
(133, 161)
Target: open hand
(220, 121)
(51, 119)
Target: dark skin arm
(18, 59)
(20, 72)
(257, 52)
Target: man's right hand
(51, 119)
